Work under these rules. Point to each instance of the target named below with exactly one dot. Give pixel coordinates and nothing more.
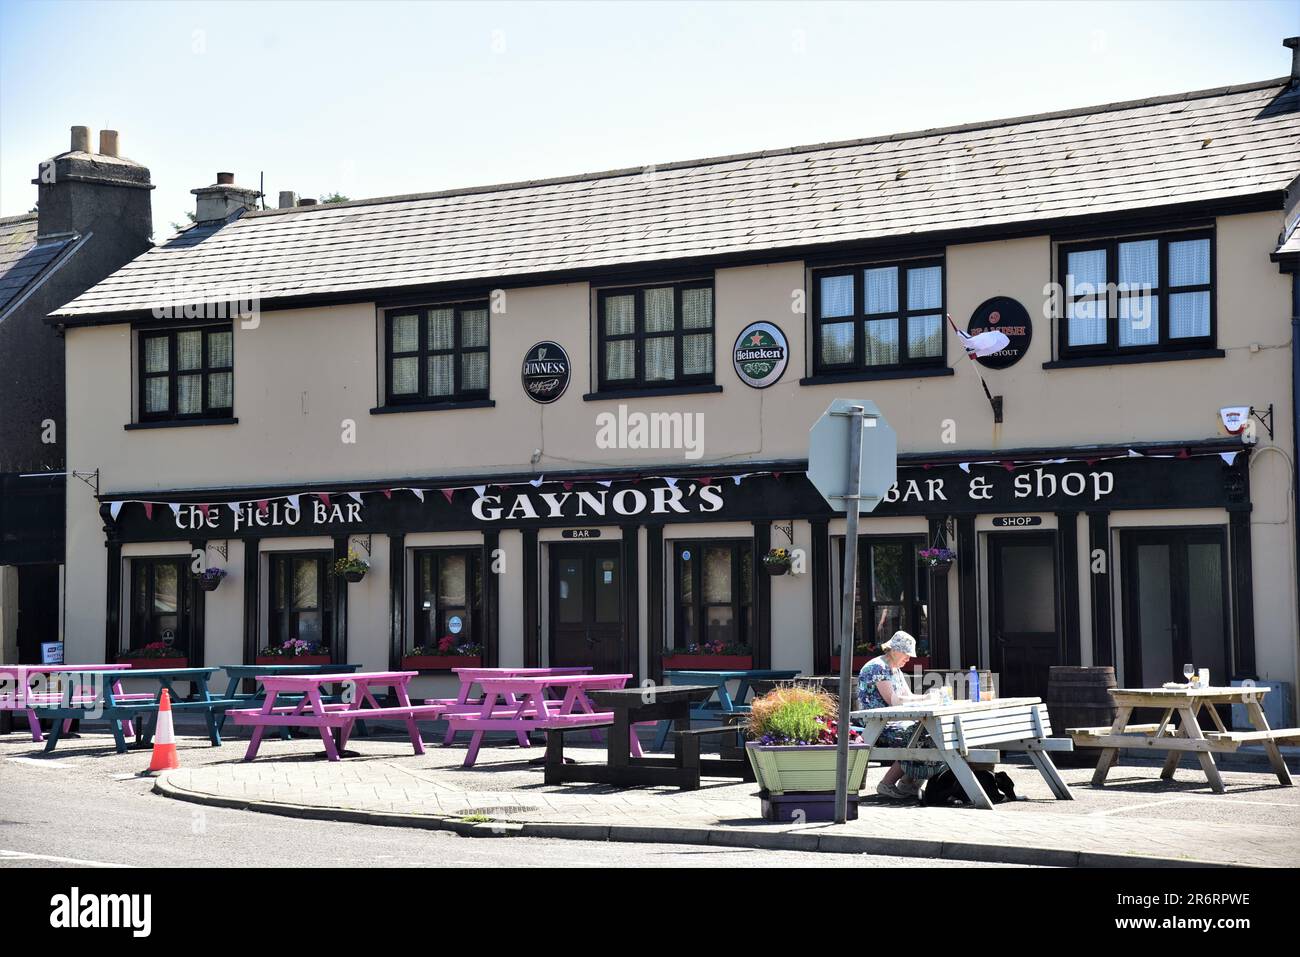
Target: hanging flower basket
(936, 559)
(778, 561)
(353, 568)
(210, 578)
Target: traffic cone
(164, 737)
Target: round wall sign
(1007, 316)
(455, 624)
(546, 372)
(760, 355)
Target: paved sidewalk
(1135, 820)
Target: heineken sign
(546, 372)
(760, 355)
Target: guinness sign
(546, 372)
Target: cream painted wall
(303, 375)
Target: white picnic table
(1187, 704)
(971, 732)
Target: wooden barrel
(1079, 698)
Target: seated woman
(881, 684)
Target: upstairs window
(438, 353)
(187, 374)
(879, 317)
(655, 336)
(1145, 294)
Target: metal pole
(853, 500)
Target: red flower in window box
(295, 660)
(444, 656)
(156, 654)
(710, 656)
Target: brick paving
(1135, 817)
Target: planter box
(293, 660)
(801, 806)
(440, 662)
(808, 768)
(708, 662)
(138, 663)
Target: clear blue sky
(373, 99)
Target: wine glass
(1188, 670)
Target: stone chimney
(81, 191)
(221, 200)
(288, 199)
(1293, 43)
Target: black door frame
(1046, 537)
(607, 549)
(1183, 535)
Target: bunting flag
(964, 466)
(176, 510)
(671, 482)
(148, 509)
(388, 493)
(263, 506)
(234, 508)
(447, 493)
(605, 482)
(1229, 457)
(356, 497)
(204, 509)
(480, 490)
(114, 508)
(293, 501)
(537, 482)
(568, 486)
(418, 493)
(324, 497)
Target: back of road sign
(828, 455)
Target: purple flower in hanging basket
(936, 556)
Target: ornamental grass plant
(793, 715)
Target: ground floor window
(448, 617)
(893, 594)
(302, 597)
(714, 594)
(159, 605)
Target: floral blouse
(877, 669)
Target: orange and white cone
(164, 737)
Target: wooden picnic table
(95, 694)
(629, 707)
(971, 732)
(520, 705)
(17, 693)
(308, 707)
(1187, 704)
(722, 701)
(466, 702)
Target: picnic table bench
(971, 732)
(721, 702)
(17, 693)
(1188, 736)
(238, 674)
(94, 694)
(469, 679)
(519, 704)
(624, 765)
(309, 707)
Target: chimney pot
(288, 199)
(81, 139)
(225, 179)
(306, 201)
(1293, 43)
(108, 142)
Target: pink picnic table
(311, 710)
(519, 704)
(16, 693)
(469, 677)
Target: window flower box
(138, 663)
(440, 662)
(688, 662)
(858, 662)
(293, 660)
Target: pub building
(564, 421)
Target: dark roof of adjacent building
(1218, 145)
(24, 260)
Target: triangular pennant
(705, 482)
(737, 478)
(204, 509)
(263, 506)
(114, 508)
(537, 482)
(148, 509)
(176, 510)
(672, 482)
(480, 490)
(605, 482)
(447, 493)
(964, 466)
(388, 493)
(356, 497)
(324, 497)
(418, 493)
(293, 501)
(1135, 455)
(1229, 457)
(235, 507)
(1182, 454)
(776, 475)
(1009, 466)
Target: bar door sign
(1016, 521)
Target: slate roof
(22, 259)
(1219, 144)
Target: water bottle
(974, 684)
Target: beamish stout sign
(1007, 316)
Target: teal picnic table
(95, 695)
(720, 705)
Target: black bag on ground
(944, 789)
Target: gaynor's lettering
(660, 500)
